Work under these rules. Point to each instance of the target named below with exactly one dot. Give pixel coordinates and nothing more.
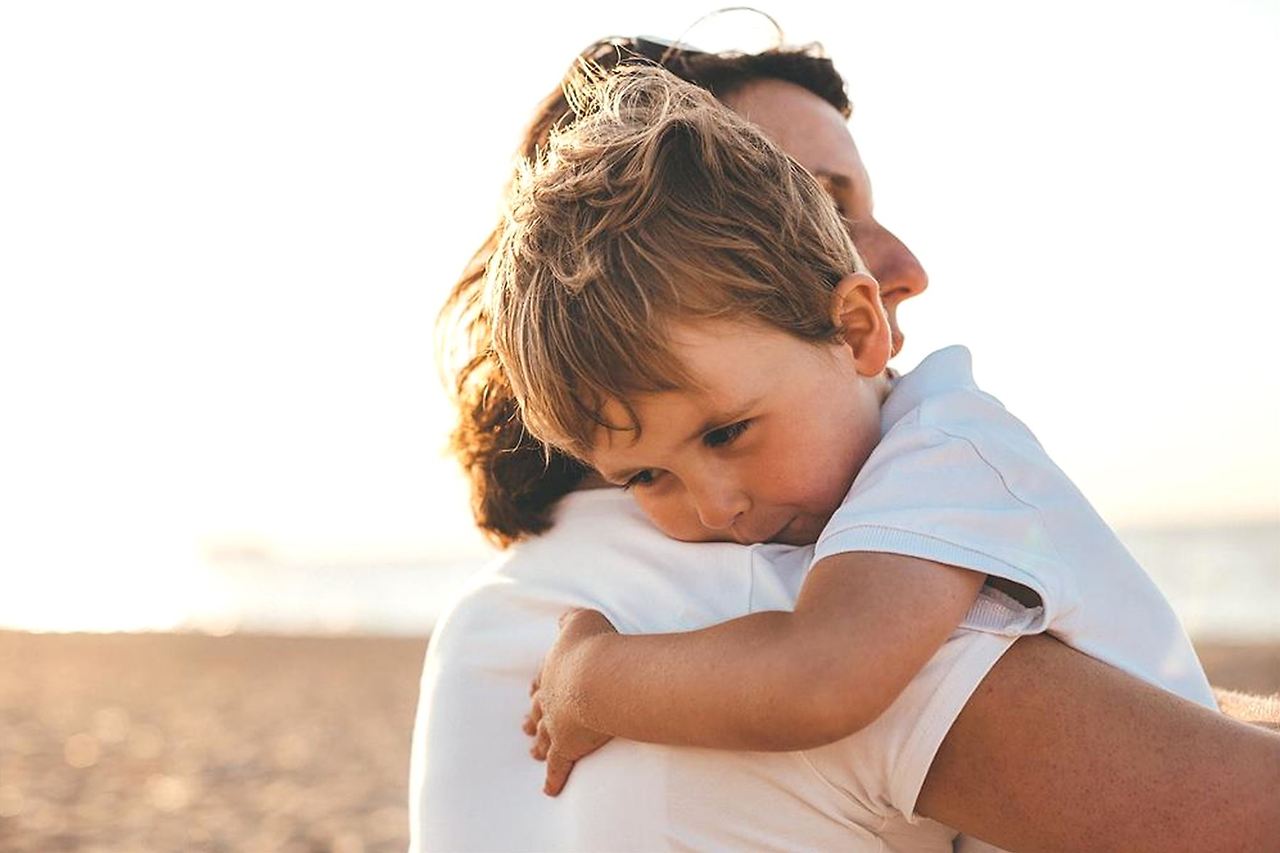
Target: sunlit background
(225, 229)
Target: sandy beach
(243, 743)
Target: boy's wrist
(586, 663)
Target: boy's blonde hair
(657, 204)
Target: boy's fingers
(558, 770)
(532, 718)
(542, 745)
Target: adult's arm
(1056, 750)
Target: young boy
(679, 304)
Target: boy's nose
(720, 506)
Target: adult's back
(477, 788)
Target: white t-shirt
(959, 480)
(474, 786)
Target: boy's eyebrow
(715, 421)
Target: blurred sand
(178, 742)
(183, 742)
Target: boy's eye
(725, 435)
(640, 478)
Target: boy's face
(763, 450)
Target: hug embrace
(762, 590)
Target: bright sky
(225, 229)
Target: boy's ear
(857, 310)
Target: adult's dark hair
(515, 483)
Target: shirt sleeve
(936, 495)
(883, 766)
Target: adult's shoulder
(602, 553)
(546, 569)
(487, 646)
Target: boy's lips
(753, 537)
(784, 534)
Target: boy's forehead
(700, 354)
(626, 420)
(727, 359)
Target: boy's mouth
(753, 537)
(781, 535)
(800, 530)
(785, 534)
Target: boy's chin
(797, 531)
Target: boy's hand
(560, 738)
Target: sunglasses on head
(618, 50)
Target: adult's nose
(899, 272)
(896, 269)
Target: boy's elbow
(839, 714)
(836, 708)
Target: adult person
(969, 744)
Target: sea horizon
(1223, 581)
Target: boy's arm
(863, 626)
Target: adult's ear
(857, 311)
